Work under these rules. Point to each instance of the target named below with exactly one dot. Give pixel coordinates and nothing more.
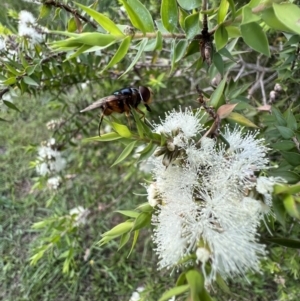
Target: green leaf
(189, 4)
(233, 31)
(72, 26)
(129, 213)
(248, 15)
(242, 120)
(44, 11)
(10, 105)
(221, 37)
(216, 99)
(143, 14)
(285, 132)
(180, 50)
(291, 120)
(125, 153)
(222, 12)
(290, 243)
(269, 17)
(291, 206)
(232, 7)
(138, 55)
(9, 81)
(290, 176)
(192, 26)
(143, 220)
(124, 240)
(119, 229)
(218, 62)
(121, 129)
(106, 137)
(288, 14)
(134, 17)
(29, 81)
(155, 44)
(102, 20)
(182, 16)
(279, 116)
(135, 238)
(255, 38)
(291, 157)
(284, 188)
(169, 14)
(284, 145)
(196, 283)
(175, 291)
(88, 38)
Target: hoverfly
(122, 101)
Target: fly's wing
(103, 102)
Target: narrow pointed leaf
(222, 12)
(134, 17)
(192, 25)
(196, 283)
(126, 152)
(143, 14)
(102, 20)
(121, 129)
(169, 14)
(255, 38)
(285, 132)
(128, 213)
(10, 105)
(143, 220)
(175, 291)
(292, 158)
(29, 81)
(242, 120)
(288, 14)
(180, 50)
(221, 37)
(290, 243)
(124, 240)
(119, 229)
(138, 55)
(120, 53)
(135, 238)
(216, 99)
(106, 137)
(291, 206)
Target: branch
(43, 61)
(70, 10)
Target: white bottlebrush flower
(153, 194)
(81, 215)
(180, 125)
(49, 159)
(265, 186)
(28, 28)
(53, 183)
(208, 198)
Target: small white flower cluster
(54, 182)
(209, 201)
(54, 124)
(80, 214)
(50, 162)
(29, 28)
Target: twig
(70, 10)
(262, 87)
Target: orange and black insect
(122, 101)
